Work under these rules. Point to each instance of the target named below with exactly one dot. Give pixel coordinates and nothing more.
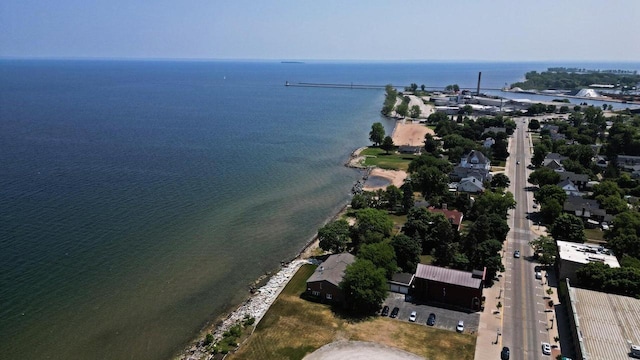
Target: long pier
(367, 86)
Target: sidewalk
(490, 326)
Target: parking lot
(445, 318)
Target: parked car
(460, 327)
(538, 275)
(394, 312)
(431, 320)
(413, 316)
(516, 254)
(546, 348)
(385, 311)
(504, 354)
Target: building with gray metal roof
(604, 326)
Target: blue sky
(491, 30)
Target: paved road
(524, 319)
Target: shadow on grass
(338, 310)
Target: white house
(475, 159)
(569, 188)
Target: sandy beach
(407, 132)
(395, 177)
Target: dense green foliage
(568, 227)
(364, 286)
(571, 81)
(389, 100)
(600, 277)
(408, 250)
(334, 236)
(545, 249)
(376, 135)
(382, 255)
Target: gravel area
(360, 350)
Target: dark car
(431, 320)
(385, 311)
(504, 354)
(394, 312)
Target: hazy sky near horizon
(492, 30)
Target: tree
(402, 109)
(431, 145)
(545, 249)
(372, 225)
(376, 135)
(568, 227)
(550, 210)
(544, 176)
(606, 188)
(407, 197)
(431, 181)
(534, 125)
(548, 192)
(334, 236)
(382, 255)
(359, 201)
(390, 100)
(499, 149)
(428, 227)
(539, 153)
(387, 144)
(408, 252)
(493, 203)
(364, 286)
(415, 111)
(612, 204)
(500, 180)
(393, 197)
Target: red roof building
(454, 216)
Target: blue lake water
(140, 199)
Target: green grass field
(392, 161)
(294, 327)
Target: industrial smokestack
(479, 77)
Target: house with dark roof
(400, 283)
(494, 129)
(579, 180)
(475, 164)
(569, 188)
(553, 164)
(471, 185)
(454, 216)
(408, 149)
(586, 209)
(475, 160)
(448, 286)
(460, 173)
(324, 283)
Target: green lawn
(294, 327)
(594, 235)
(392, 161)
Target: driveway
(445, 318)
